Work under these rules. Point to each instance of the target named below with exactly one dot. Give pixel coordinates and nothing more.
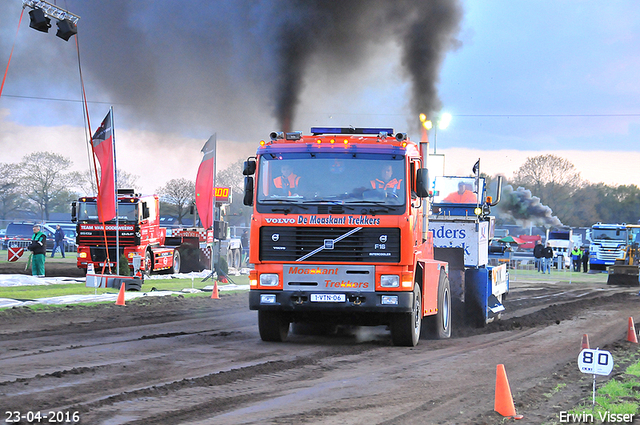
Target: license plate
(104, 264)
(328, 298)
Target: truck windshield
(332, 178)
(457, 190)
(88, 211)
(609, 234)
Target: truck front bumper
(354, 302)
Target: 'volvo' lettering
(280, 220)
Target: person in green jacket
(576, 257)
(38, 247)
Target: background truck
(340, 220)
(608, 243)
(461, 235)
(561, 241)
(139, 233)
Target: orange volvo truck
(340, 235)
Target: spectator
(538, 255)
(585, 259)
(38, 248)
(58, 241)
(548, 258)
(576, 258)
(461, 196)
(245, 246)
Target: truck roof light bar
(350, 130)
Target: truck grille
(362, 244)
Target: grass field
(31, 292)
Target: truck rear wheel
(439, 326)
(405, 327)
(273, 326)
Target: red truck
(139, 233)
(340, 220)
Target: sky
(520, 79)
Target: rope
(11, 54)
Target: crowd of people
(544, 257)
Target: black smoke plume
(342, 32)
(525, 209)
(237, 67)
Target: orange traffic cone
(631, 332)
(214, 293)
(120, 300)
(585, 341)
(504, 401)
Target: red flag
(204, 183)
(103, 148)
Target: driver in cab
(287, 183)
(386, 181)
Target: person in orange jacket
(287, 183)
(461, 196)
(386, 181)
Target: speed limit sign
(597, 362)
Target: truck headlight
(269, 279)
(389, 280)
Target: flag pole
(115, 191)
(214, 251)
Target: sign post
(597, 362)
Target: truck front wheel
(405, 327)
(148, 263)
(273, 326)
(177, 262)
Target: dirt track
(200, 361)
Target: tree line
(546, 190)
(41, 184)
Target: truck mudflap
(331, 302)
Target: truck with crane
(626, 268)
(341, 220)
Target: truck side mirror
(249, 167)
(248, 191)
(498, 193)
(74, 213)
(422, 183)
